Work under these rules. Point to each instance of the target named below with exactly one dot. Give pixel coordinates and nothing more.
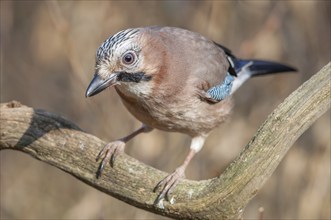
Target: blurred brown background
(47, 60)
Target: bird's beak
(98, 84)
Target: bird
(174, 80)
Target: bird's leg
(168, 184)
(111, 150)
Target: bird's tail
(246, 69)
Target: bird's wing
(206, 63)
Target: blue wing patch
(223, 90)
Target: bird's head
(120, 60)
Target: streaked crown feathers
(107, 48)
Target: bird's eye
(129, 58)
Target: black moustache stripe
(133, 77)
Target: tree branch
(57, 141)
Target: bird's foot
(109, 153)
(168, 184)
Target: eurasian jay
(174, 80)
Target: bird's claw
(168, 184)
(109, 153)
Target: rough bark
(57, 141)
